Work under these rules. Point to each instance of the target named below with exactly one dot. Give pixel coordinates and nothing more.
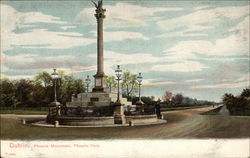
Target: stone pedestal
(119, 117)
(56, 124)
(99, 83)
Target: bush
(238, 105)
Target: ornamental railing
(81, 111)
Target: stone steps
(96, 99)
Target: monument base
(98, 90)
(119, 117)
(99, 82)
(96, 99)
(100, 110)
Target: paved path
(181, 124)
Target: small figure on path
(158, 109)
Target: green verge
(182, 108)
(212, 112)
(24, 111)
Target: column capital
(100, 13)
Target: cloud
(185, 66)
(245, 77)
(222, 85)
(194, 80)
(123, 59)
(12, 19)
(195, 23)
(149, 84)
(181, 34)
(236, 44)
(7, 60)
(17, 77)
(121, 35)
(68, 27)
(60, 58)
(17, 58)
(192, 31)
(122, 15)
(200, 18)
(114, 58)
(42, 38)
(44, 64)
(78, 68)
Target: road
(181, 124)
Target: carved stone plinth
(55, 104)
(119, 117)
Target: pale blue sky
(197, 48)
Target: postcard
(140, 78)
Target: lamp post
(118, 73)
(139, 80)
(87, 80)
(55, 76)
(119, 117)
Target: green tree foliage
(238, 105)
(246, 92)
(44, 78)
(129, 84)
(69, 86)
(7, 91)
(40, 91)
(171, 100)
(145, 100)
(111, 82)
(24, 89)
(41, 96)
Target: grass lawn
(24, 111)
(12, 128)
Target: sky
(197, 48)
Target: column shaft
(100, 46)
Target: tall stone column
(99, 76)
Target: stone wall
(82, 121)
(141, 119)
(96, 99)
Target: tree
(167, 97)
(7, 91)
(246, 92)
(70, 86)
(40, 95)
(129, 84)
(44, 78)
(110, 82)
(238, 105)
(178, 98)
(23, 92)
